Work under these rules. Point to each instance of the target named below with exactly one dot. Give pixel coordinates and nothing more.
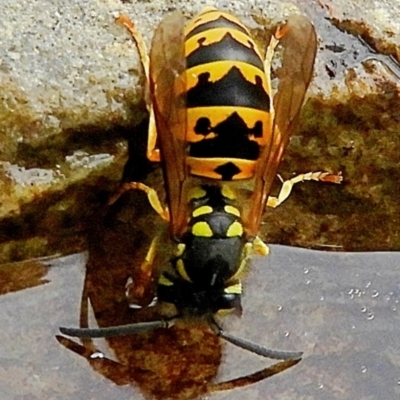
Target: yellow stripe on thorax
(236, 288)
(196, 193)
(164, 281)
(180, 267)
(236, 229)
(232, 210)
(202, 211)
(202, 229)
(228, 192)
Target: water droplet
(306, 271)
(280, 308)
(363, 310)
(308, 282)
(375, 293)
(287, 334)
(363, 369)
(394, 309)
(322, 298)
(97, 354)
(129, 281)
(368, 285)
(321, 386)
(370, 316)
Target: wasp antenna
(255, 348)
(114, 331)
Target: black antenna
(255, 348)
(129, 329)
(122, 330)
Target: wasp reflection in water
(180, 362)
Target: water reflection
(318, 302)
(180, 362)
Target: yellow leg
(153, 153)
(257, 247)
(287, 186)
(138, 290)
(152, 195)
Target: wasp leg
(280, 31)
(152, 195)
(287, 186)
(153, 153)
(137, 290)
(256, 247)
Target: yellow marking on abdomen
(209, 14)
(198, 167)
(218, 114)
(216, 35)
(218, 69)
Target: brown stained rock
(72, 92)
(350, 124)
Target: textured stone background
(72, 93)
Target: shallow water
(341, 309)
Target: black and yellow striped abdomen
(227, 97)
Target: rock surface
(72, 93)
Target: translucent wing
(299, 43)
(167, 88)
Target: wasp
(220, 133)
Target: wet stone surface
(340, 309)
(72, 93)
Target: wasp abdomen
(227, 98)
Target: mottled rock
(71, 82)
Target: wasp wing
(299, 49)
(167, 90)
